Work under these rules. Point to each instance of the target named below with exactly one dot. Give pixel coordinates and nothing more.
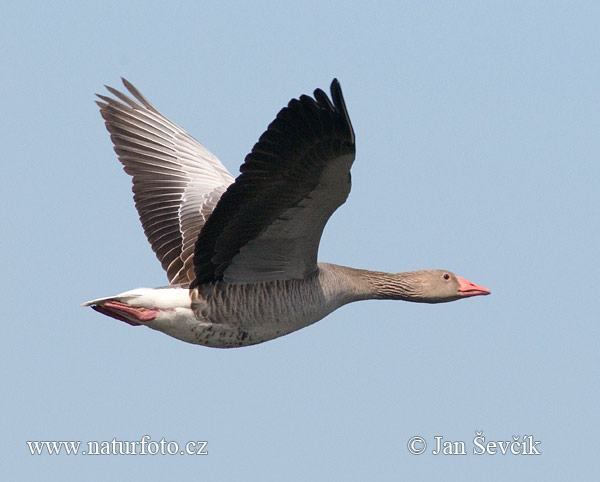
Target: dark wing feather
(268, 223)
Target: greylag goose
(241, 255)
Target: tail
(123, 298)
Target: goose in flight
(241, 254)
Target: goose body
(241, 255)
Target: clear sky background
(477, 151)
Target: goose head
(441, 286)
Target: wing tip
(137, 94)
(122, 98)
(337, 96)
(340, 104)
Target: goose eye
(446, 276)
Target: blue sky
(477, 151)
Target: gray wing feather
(176, 181)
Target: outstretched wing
(177, 182)
(268, 224)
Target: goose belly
(228, 316)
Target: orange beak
(466, 288)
